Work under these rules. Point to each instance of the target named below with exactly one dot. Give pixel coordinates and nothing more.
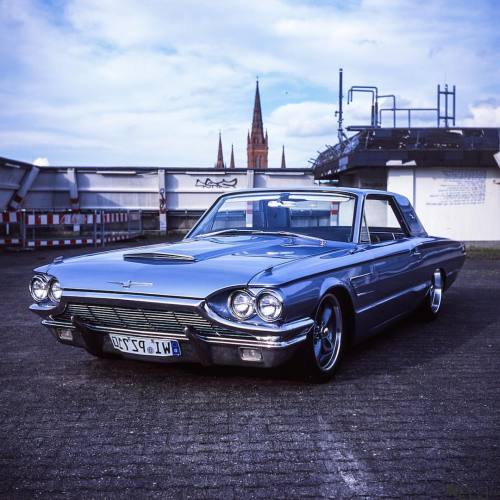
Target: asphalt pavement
(414, 411)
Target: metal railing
(41, 228)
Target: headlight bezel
(275, 295)
(51, 286)
(254, 299)
(230, 304)
(42, 279)
(52, 295)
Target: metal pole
(103, 229)
(446, 105)
(454, 103)
(95, 228)
(23, 215)
(439, 105)
(341, 111)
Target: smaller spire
(231, 164)
(283, 162)
(220, 156)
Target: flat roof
(410, 147)
(149, 168)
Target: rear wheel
(325, 342)
(431, 306)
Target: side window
(381, 221)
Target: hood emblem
(129, 283)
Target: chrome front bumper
(276, 342)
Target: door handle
(416, 251)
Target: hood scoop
(159, 257)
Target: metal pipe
(393, 97)
(446, 105)
(439, 105)
(340, 110)
(454, 103)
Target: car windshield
(327, 216)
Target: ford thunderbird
(264, 277)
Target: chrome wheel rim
(436, 291)
(327, 334)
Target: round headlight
(39, 288)
(242, 305)
(269, 306)
(55, 291)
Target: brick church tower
(257, 143)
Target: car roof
(313, 189)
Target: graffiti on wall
(459, 186)
(210, 184)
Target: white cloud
(125, 81)
(483, 114)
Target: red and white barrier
(10, 217)
(113, 217)
(34, 220)
(54, 218)
(76, 241)
(10, 241)
(334, 213)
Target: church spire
(231, 164)
(283, 162)
(220, 156)
(257, 142)
(257, 125)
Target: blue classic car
(264, 277)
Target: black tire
(431, 306)
(325, 344)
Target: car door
(394, 258)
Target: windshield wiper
(294, 235)
(229, 232)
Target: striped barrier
(26, 221)
(10, 241)
(55, 219)
(79, 241)
(11, 217)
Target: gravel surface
(414, 411)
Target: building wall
(458, 203)
(185, 193)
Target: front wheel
(325, 342)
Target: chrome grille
(143, 319)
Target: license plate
(145, 346)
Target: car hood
(191, 268)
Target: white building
(452, 176)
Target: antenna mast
(340, 113)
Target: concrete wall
(458, 203)
(183, 194)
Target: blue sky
(131, 82)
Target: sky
(151, 82)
